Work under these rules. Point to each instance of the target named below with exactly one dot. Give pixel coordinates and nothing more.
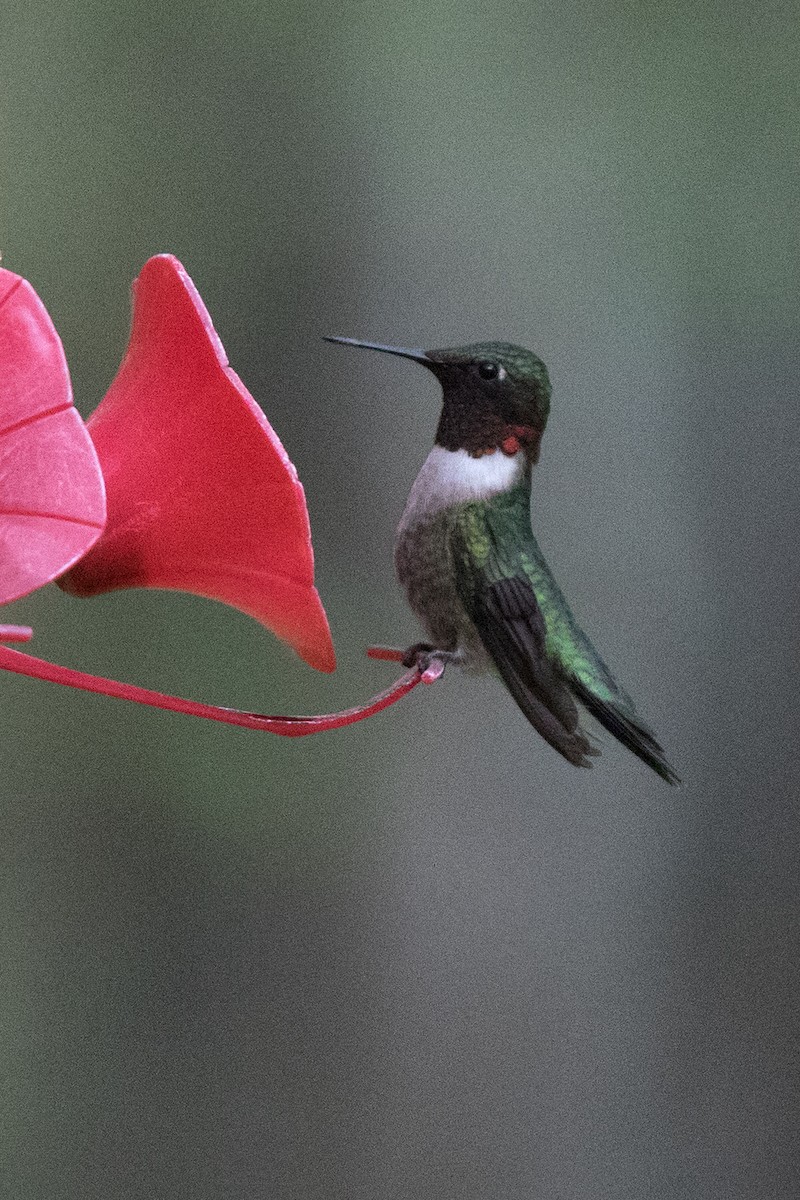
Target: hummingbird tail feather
(627, 730)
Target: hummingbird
(472, 569)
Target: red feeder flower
(202, 496)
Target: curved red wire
(38, 668)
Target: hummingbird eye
(490, 370)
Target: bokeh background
(422, 957)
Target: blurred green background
(422, 957)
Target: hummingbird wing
(540, 651)
(587, 675)
(499, 599)
(511, 627)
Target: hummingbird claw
(412, 657)
(426, 658)
(429, 673)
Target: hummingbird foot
(422, 655)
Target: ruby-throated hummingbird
(472, 569)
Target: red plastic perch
(39, 668)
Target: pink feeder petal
(52, 500)
(38, 668)
(202, 496)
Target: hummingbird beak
(417, 355)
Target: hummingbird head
(495, 395)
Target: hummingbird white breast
(451, 477)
